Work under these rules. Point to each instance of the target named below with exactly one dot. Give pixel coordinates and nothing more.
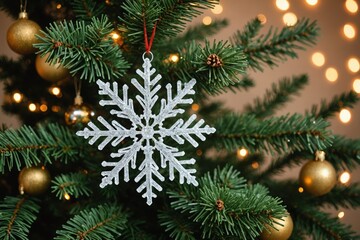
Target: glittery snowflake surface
(147, 132)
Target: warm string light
(312, 2)
(353, 64)
(345, 115)
(341, 214)
(351, 6)
(195, 107)
(282, 5)
(318, 59)
(32, 107)
(349, 31)
(67, 196)
(262, 18)
(43, 107)
(218, 9)
(301, 189)
(18, 97)
(207, 20)
(331, 74)
(255, 165)
(290, 19)
(55, 91)
(345, 177)
(356, 85)
(241, 153)
(174, 58)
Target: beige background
(331, 16)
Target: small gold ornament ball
(21, 35)
(282, 232)
(51, 72)
(317, 177)
(34, 180)
(78, 114)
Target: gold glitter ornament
(51, 72)
(78, 113)
(21, 35)
(34, 180)
(318, 176)
(282, 232)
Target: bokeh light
(255, 165)
(312, 2)
(55, 91)
(301, 189)
(241, 153)
(353, 64)
(345, 115)
(195, 107)
(345, 177)
(174, 57)
(351, 6)
(331, 74)
(262, 18)
(290, 19)
(43, 107)
(18, 97)
(356, 85)
(218, 9)
(282, 5)
(32, 107)
(349, 31)
(207, 20)
(318, 59)
(67, 196)
(341, 214)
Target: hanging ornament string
(148, 43)
(78, 99)
(23, 5)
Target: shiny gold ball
(34, 180)
(51, 72)
(78, 113)
(21, 35)
(282, 232)
(317, 177)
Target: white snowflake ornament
(146, 132)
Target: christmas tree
(121, 138)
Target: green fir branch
(85, 49)
(275, 46)
(344, 153)
(215, 66)
(170, 17)
(16, 217)
(321, 225)
(74, 184)
(279, 94)
(27, 146)
(295, 132)
(226, 212)
(86, 9)
(345, 100)
(102, 222)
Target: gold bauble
(34, 180)
(317, 177)
(78, 113)
(21, 35)
(51, 72)
(282, 232)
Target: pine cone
(213, 60)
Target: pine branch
(28, 147)
(170, 16)
(276, 97)
(295, 132)
(226, 212)
(85, 49)
(335, 105)
(274, 46)
(16, 217)
(74, 184)
(321, 225)
(344, 153)
(215, 66)
(86, 9)
(102, 222)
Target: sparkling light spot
(349, 31)
(195, 107)
(207, 20)
(282, 5)
(255, 165)
(55, 91)
(301, 190)
(67, 196)
(32, 107)
(43, 108)
(341, 214)
(318, 59)
(174, 58)
(345, 177)
(241, 153)
(262, 18)
(312, 2)
(331, 74)
(345, 115)
(218, 9)
(290, 19)
(351, 6)
(58, 6)
(353, 65)
(356, 85)
(18, 97)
